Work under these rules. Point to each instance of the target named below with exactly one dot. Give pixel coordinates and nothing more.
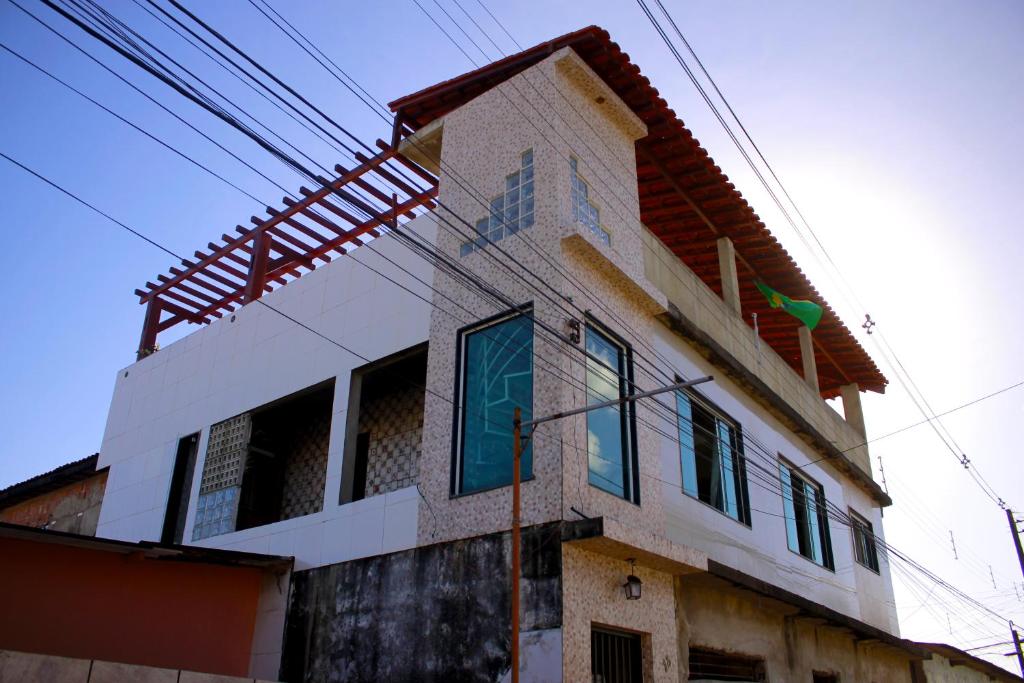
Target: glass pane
(709, 469)
(728, 470)
(687, 454)
(813, 522)
(789, 509)
(604, 426)
(512, 181)
(498, 371)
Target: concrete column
(807, 355)
(727, 270)
(851, 407)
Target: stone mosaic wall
(306, 470)
(394, 419)
(593, 594)
(484, 141)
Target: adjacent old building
(542, 234)
(64, 499)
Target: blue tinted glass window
(497, 373)
(806, 517)
(710, 457)
(608, 428)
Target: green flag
(807, 312)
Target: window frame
(824, 537)
(738, 454)
(627, 416)
(861, 521)
(601, 233)
(458, 412)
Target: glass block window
(496, 375)
(806, 514)
(582, 210)
(510, 212)
(710, 453)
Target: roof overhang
(149, 550)
(685, 200)
(62, 476)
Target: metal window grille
(615, 657)
(709, 665)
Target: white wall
(761, 549)
(232, 366)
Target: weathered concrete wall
(726, 619)
(74, 508)
(436, 613)
(939, 669)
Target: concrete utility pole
(1016, 647)
(1015, 531)
(518, 441)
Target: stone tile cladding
(395, 422)
(306, 471)
(483, 142)
(592, 594)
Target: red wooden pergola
(685, 199)
(291, 241)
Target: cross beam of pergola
(291, 241)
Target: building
(85, 610)
(65, 499)
(552, 236)
(952, 665)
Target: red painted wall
(92, 604)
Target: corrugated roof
(49, 481)
(685, 199)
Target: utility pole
(517, 455)
(518, 442)
(1016, 646)
(1015, 531)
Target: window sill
(873, 570)
(808, 559)
(467, 494)
(613, 495)
(706, 504)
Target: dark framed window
(495, 376)
(806, 515)
(181, 489)
(611, 430)
(711, 457)
(864, 549)
(615, 656)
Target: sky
(894, 126)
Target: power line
(93, 207)
(899, 369)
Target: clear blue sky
(896, 126)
